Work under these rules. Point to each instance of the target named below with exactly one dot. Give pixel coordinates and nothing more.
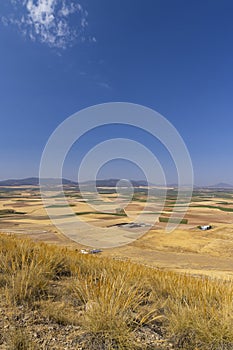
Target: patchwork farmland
(186, 249)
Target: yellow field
(186, 249)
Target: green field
(212, 207)
(99, 213)
(173, 220)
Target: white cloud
(104, 85)
(57, 23)
(42, 13)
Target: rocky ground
(35, 331)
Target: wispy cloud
(104, 85)
(57, 23)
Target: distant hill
(221, 185)
(33, 181)
(113, 183)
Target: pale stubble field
(186, 249)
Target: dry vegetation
(55, 298)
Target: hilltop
(56, 298)
(35, 181)
(32, 181)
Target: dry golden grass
(113, 305)
(26, 268)
(19, 339)
(110, 301)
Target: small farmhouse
(205, 227)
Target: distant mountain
(221, 185)
(33, 181)
(113, 183)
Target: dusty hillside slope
(56, 298)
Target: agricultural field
(186, 249)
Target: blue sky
(59, 56)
